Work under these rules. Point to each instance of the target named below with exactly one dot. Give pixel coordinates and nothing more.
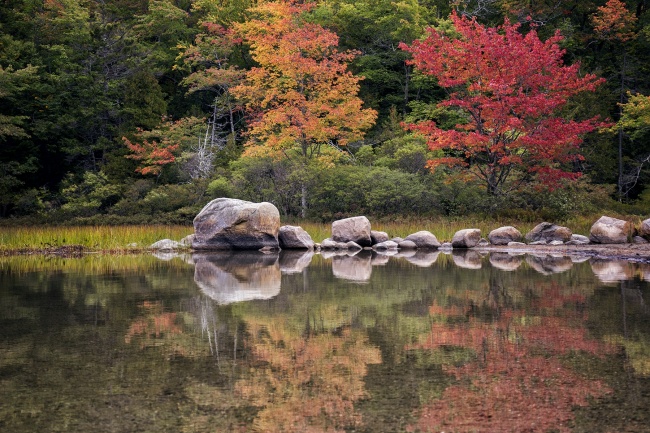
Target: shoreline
(639, 253)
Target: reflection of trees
(305, 382)
(515, 380)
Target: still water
(297, 342)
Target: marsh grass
(138, 237)
(115, 238)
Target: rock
(609, 230)
(446, 246)
(555, 243)
(352, 246)
(639, 240)
(187, 240)
(355, 229)
(466, 238)
(483, 243)
(397, 239)
(166, 245)
(328, 244)
(644, 230)
(231, 224)
(294, 238)
(516, 244)
(549, 232)
(423, 239)
(503, 235)
(407, 245)
(579, 239)
(538, 243)
(377, 237)
(386, 245)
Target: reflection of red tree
(514, 384)
(154, 325)
(307, 384)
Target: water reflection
(467, 259)
(505, 261)
(136, 343)
(548, 264)
(229, 277)
(611, 271)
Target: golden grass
(113, 238)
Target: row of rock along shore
(232, 224)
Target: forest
(141, 111)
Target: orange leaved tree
(301, 100)
(509, 87)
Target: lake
(297, 342)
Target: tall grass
(92, 237)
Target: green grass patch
(91, 237)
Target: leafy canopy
(510, 87)
(300, 96)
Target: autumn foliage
(509, 87)
(300, 96)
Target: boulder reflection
(295, 261)
(354, 267)
(505, 261)
(467, 259)
(549, 264)
(229, 277)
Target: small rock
(294, 237)
(538, 243)
(407, 245)
(556, 243)
(466, 238)
(639, 240)
(503, 235)
(516, 244)
(378, 237)
(423, 239)
(166, 245)
(386, 245)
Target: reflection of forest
(136, 337)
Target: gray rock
(579, 239)
(503, 235)
(187, 240)
(466, 238)
(377, 237)
(447, 246)
(328, 244)
(556, 243)
(644, 230)
(352, 246)
(549, 232)
(166, 245)
(397, 239)
(355, 229)
(407, 245)
(608, 230)
(231, 224)
(516, 244)
(483, 243)
(294, 238)
(639, 240)
(538, 243)
(386, 245)
(423, 239)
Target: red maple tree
(509, 87)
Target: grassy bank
(138, 237)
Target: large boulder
(231, 224)
(466, 238)
(423, 239)
(608, 230)
(355, 229)
(549, 232)
(294, 238)
(504, 235)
